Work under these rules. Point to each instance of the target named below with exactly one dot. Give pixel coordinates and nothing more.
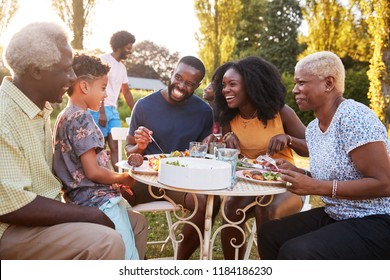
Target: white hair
(324, 64)
(37, 44)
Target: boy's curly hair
(88, 67)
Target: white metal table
(242, 188)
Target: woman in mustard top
(249, 104)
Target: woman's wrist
(289, 140)
(304, 171)
(224, 138)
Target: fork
(267, 158)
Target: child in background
(208, 95)
(80, 160)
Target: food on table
(272, 176)
(257, 175)
(154, 161)
(262, 176)
(135, 159)
(177, 153)
(176, 163)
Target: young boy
(80, 160)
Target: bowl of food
(194, 173)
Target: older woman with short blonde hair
(349, 169)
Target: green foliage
(378, 29)
(250, 28)
(216, 37)
(123, 109)
(278, 43)
(337, 28)
(356, 85)
(153, 57)
(142, 71)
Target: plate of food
(265, 177)
(148, 164)
(137, 163)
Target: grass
(158, 228)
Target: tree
(278, 43)
(216, 37)
(8, 8)
(377, 15)
(336, 28)
(75, 14)
(142, 71)
(157, 57)
(250, 28)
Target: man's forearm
(44, 211)
(129, 98)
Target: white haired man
(34, 223)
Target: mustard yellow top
(26, 151)
(254, 136)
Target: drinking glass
(198, 149)
(230, 156)
(215, 145)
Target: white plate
(143, 169)
(240, 175)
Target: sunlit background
(170, 23)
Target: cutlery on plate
(268, 159)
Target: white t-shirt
(116, 77)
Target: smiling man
(108, 117)
(175, 117)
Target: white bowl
(195, 173)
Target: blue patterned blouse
(353, 125)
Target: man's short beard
(170, 88)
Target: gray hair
(37, 44)
(324, 64)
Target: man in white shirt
(108, 117)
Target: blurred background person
(108, 117)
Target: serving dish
(194, 173)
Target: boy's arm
(100, 174)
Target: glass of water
(198, 149)
(230, 156)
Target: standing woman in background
(249, 103)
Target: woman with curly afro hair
(250, 107)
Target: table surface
(242, 188)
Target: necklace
(246, 121)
